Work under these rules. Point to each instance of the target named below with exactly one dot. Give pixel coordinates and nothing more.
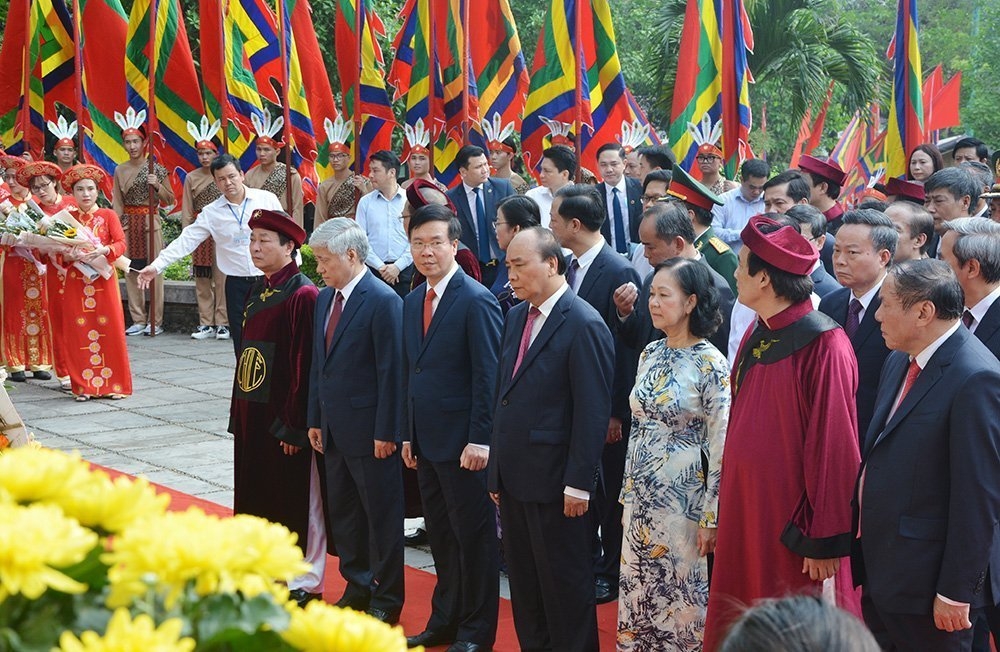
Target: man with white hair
(971, 247)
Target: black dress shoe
(41, 375)
(18, 377)
(357, 604)
(418, 538)
(303, 597)
(429, 638)
(604, 590)
(466, 646)
(383, 615)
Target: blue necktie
(621, 245)
(485, 255)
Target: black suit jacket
(632, 203)
(988, 330)
(355, 390)
(823, 283)
(551, 417)
(493, 191)
(450, 374)
(826, 253)
(869, 349)
(930, 503)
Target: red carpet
(419, 586)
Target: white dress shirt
(382, 219)
(980, 309)
(730, 218)
(609, 198)
(542, 196)
(346, 293)
(470, 197)
(229, 225)
(585, 261)
(866, 298)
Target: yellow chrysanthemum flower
(217, 555)
(127, 635)
(112, 505)
(31, 474)
(35, 540)
(321, 627)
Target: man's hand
(820, 569)
(495, 496)
(625, 297)
(316, 439)
(614, 431)
(146, 276)
(390, 273)
(289, 449)
(474, 458)
(573, 507)
(950, 617)
(409, 459)
(706, 540)
(384, 449)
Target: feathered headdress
(267, 129)
(64, 131)
(559, 132)
(707, 136)
(337, 133)
(418, 138)
(633, 135)
(496, 132)
(132, 123)
(204, 133)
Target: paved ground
(172, 429)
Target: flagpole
(282, 36)
(431, 78)
(26, 79)
(359, 25)
(465, 70)
(223, 88)
(78, 64)
(578, 118)
(151, 127)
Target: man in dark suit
(451, 341)
(552, 410)
(665, 232)
(355, 396)
(926, 502)
(866, 243)
(595, 270)
(811, 224)
(971, 247)
(621, 199)
(476, 200)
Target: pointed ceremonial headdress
(64, 131)
(204, 132)
(496, 133)
(634, 134)
(267, 129)
(132, 123)
(337, 132)
(559, 132)
(418, 137)
(707, 136)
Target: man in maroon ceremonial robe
(791, 453)
(275, 466)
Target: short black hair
(468, 153)
(657, 175)
(883, 232)
(982, 151)
(754, 167)
(222, 160)
(562, 157)
(608, 147)
(929, 279)
(388, 160)
(695, 278)
(871, 202)
(793, 287)
(832, 188)
(582, 202)
(520, 211)
(798, 188)
(658, 156)
(958, 181)
(671, 221)
(436, 213)
(702, 216)
(804, 214)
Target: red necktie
(331, 326)
(911, 376)
(533, 314)
(428, 309)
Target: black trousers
(237, 289)
(608, 510)
(402, 286)
(460, 520)
(365, 517)
(908, 632)
(551, 576)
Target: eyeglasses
(42, 185)
(706, 159)
(435, 245)
(338, 156)
(651, 198)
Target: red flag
(317, 86)
(801, 139)
(932, 86)
(945, 104)
(817, 128)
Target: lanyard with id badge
(242, 238)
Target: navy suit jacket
(931, 504)
(493, 191)
(869, 349)
(632, 205)
(355, 393)
(988, 330)
(551, 418)
(450, 374)
(823, 283)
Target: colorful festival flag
(15, 39)
(906, 110)
(501, 74)
(298, 118)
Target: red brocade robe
(789, 465)
(270, 399)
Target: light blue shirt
(381, 218)
(730, 218)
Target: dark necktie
(533, 314)
(485, 255)
(621, 244)
(968, 319)
(335, 313)
(853, 321)
(428, 309)
(571, 271)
